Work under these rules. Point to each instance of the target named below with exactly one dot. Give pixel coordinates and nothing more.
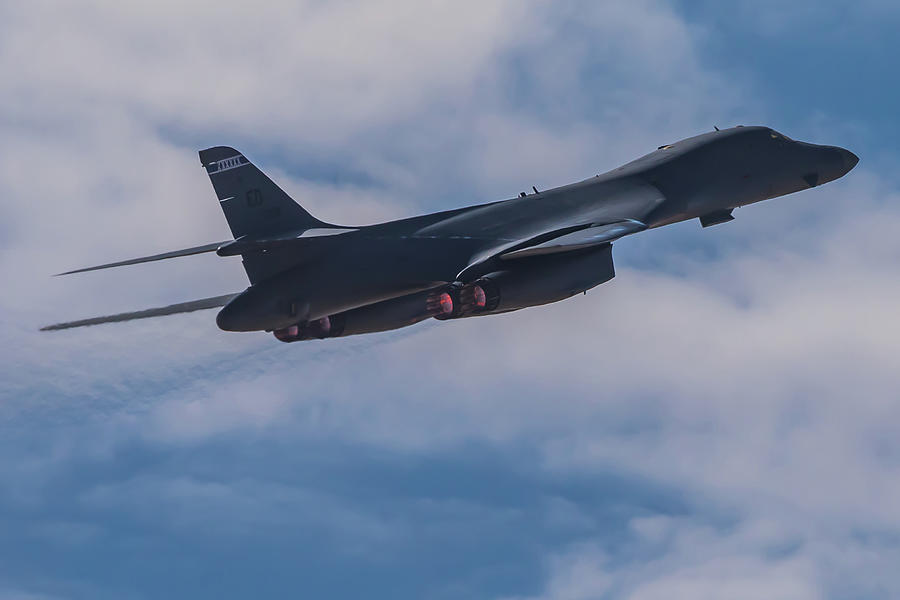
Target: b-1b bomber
(312, 280)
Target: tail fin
(252, 203)
(254, 206)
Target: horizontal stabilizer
(286, 241)
(134, 261)
(172, 309)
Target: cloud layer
(716, 421)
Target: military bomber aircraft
(311, 280)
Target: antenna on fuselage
(716, 128)
(535, 189)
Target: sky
(720, 420)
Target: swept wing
(566, 239)
(577, 240)
(172, 309)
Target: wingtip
(84, 270)
(145, 259)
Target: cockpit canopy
(779, 136)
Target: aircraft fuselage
(702, 175)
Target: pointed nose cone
(850, 160)
(835, 163)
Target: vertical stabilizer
(254, 207)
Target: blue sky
(718, 421)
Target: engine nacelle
(380, 316)
(458, 300)
(544, 279)
(318, 329)
(526, 282)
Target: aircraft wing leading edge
(583, 238)
(566, 239)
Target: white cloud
(585, 573)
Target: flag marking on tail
(226, 164)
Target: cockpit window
(779, 136)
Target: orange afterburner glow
(441, 305)
(479, 298)
(446, 303)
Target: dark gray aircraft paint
(311, 279)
